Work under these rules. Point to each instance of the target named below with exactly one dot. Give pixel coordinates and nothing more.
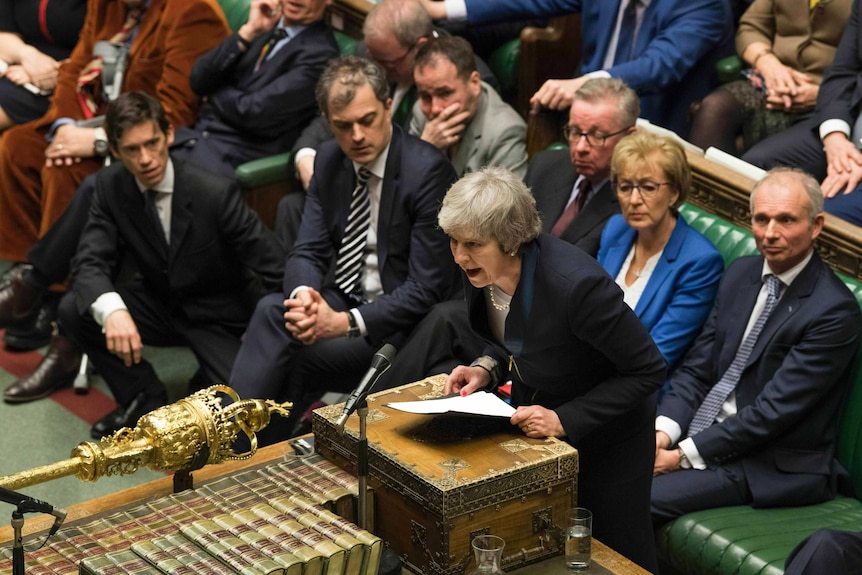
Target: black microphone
(381, 361)
(27, 504)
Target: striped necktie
(89, 87)
(352, 251)
(708, 410)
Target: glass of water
(579, 533)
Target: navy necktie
(708, 410)
(626, 39)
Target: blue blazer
(680, 292)
(792, 388)
(678, 44)
(415, 263)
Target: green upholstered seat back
(504, 64)
(731, 241)
(346, 44)
(850, 438)
(236, 12)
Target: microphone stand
(362, 464)
(17, 542)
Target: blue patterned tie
(626, 38)
(352, 251)
(716, 397)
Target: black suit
(199, 290)
(551, 176)
(779, 448)
(414, 262)
(581, 351)
(250, 114)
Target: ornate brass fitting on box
(183, 436)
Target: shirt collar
(377, 166)
(166, 185)
(788, 276)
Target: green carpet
(45, 431)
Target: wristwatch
(100, 144)
(353, 327)
(684, 463)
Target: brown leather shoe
(57, 369)
(19, 303)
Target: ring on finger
(59, 146)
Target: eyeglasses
(646, 188)
(391, 61)
(594, 140)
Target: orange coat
(170, 37)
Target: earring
(513, 253)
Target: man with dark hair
(462, 115)
(751, 415)
(43, 162)
(201, 260)
(369, 261)
(258, 85)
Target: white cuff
(834, 125)
(598, 74)
(669, 426)
(105, 305)
(692, 454)
(359, 321)
(296, 290)
(302, 153)
(456, 9)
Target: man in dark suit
(751, 416)
(603, 111)
(200, 257)
(826, 145)
(357, 276)
(666, 50)
(829, 551)
(258, 94)
(574, 199)
(258, 84)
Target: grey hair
(809, 183)
(491, 203)
(601, 89)
(343, 76)
(407, 20)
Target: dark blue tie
(628, 27)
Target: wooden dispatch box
(435, 489)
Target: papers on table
(479, 403)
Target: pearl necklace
(497, 306)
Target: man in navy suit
(669, 60)
(322, 332)
(827, 144)
(201, 260)
(769, 439)
(258, 84)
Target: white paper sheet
(478, 403)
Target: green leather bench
(742, 540)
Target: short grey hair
(407, 20)
(343, 76)
(491, 203)
(809, 183)
(597, 90)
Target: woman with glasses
(668, 272)
(582, 365)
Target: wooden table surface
(605, 559)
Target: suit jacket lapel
(181, 213)
(661, 274)
(472, 138)
(618, 251)
(135, 208)
(388, 192)
(795, 295)
(736, 320)
(596, 210)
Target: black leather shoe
(19, 303)
(126, 415)
(37, 331)
(57, 369)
